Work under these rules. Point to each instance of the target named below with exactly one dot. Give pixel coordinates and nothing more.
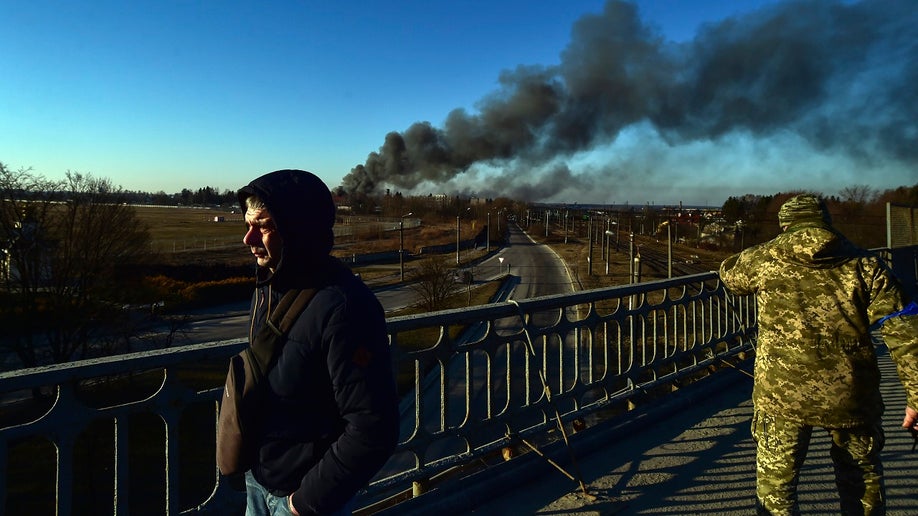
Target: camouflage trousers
(781, 448)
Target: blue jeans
(260, 502)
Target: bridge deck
(691, 456)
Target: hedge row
(177, 294)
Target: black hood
(304, 213)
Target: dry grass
(181, 223)
(191, 235)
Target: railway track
(654, 255)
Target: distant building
(25, 246)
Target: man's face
(262, 237)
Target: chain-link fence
(901, 226)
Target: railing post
(122, 466)
(419, 487)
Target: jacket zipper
(256, 311)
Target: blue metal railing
(489, 376)
(509, 371)
(483, 381)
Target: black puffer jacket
(331, 419)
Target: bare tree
(858, 194)
(63, 244)
(434, 279)
(853, 205)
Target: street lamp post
(631, 257)
(565, 225)
(457, 239)
(590, 254)
(401, 245)
(488, 236)
(637, 265)
(609, 243)
(458, 231)
(669, 249)
(607, 237)
(601, 235)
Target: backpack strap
(288, 309)
(266, 347)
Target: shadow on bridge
(690, 455)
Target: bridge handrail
(706, 336)
(597, 350)
(564, 338)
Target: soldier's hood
(813, 244)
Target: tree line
(70, 251)
(205, 196)
(858, 211)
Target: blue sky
(164, 95)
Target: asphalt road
(537, 269)
(540, 270)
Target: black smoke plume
(841, 76)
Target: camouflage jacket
(817, 298)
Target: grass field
(184, 229)
(198, 235)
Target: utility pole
(669, 249)
(631, 257)
(488, 244)
(458, 231)
(457, 238)
(590, 255)
(565, 225)
(401, 245)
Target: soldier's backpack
(245, 386)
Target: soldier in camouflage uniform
(818, 298)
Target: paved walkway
(693, 455)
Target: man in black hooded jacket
(330, 420)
